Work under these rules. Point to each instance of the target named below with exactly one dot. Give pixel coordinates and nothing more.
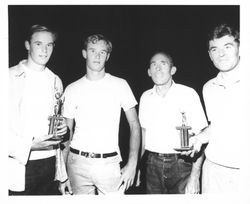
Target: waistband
(166, 155)
(92, 154)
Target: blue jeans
(167, 173)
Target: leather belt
(92, 154)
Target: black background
(135, 31)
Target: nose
(44, 48)
(158, 67)
(221, 52)
(97, 55)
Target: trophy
(56, 119)
(184, 134)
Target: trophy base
(181, 149)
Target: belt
(92, 154)
(163, 154)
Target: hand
(62, 128)
(128, 176)
(196, 147)
(193, 185)
(43, 143)
(65, 188)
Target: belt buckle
(92, 155)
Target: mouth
(43, 56)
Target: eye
(228, 46)
(51, 45)
(213, 50)
(37, 43)
(103, 52)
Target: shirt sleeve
(197, 115)
(142, 111)
(18, 146)
(69, 107)
(128, 99)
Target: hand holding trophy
(184, 134)
(56, 122)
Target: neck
(162, 90)
(232, 74)
(92, 75)
(30, 64)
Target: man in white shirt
(32, 90)
(93, 103)
(162, 109)
(226, 111)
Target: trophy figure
(56, 119)
(184, 134)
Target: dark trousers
(167, 173)
(39, 178)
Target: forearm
(197, 166)
(134, 143)
(70, 124)
(204, 135)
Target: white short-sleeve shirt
(96, 108)
(161, 115)
(226, 111)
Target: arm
(65, 187)
(198, 140)
(129, 170)
(143, 131)
(193, 184)
(70, 125)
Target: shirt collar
(153, 90)
(21, 70)
(221, 81)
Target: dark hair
(95, 38)
(40, 28)
(170, 58)
(223, 30)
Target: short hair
(167, 54)
(40, 28)
(95, 38)
(223, 30)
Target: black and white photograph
(126, 99)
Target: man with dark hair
(162, 109)
(32, 97)
(93, 103)
(225, 109)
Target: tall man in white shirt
(32, 90)
(226, 110)
(163, 108)
(93, 103)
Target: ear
(210, 55)
(107, 58)
(149, 72)
(84, 53)
(173, 70)
(27, 45)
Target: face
(224, 53)
(40, 47)
(160, 70)
(96, 56)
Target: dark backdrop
(135, 31)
